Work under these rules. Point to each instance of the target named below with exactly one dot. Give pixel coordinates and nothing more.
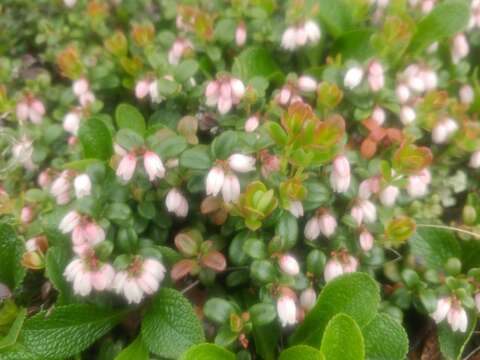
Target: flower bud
(126, 167)
(296, 208)
(308, 298)
(457, 318)
(333, 269)
(407, 115)
(238, 89)
(44, 179)
(466, 94)
(288, 39)
(375, 76)
(252, 123)
(403, 93)
(230, 188)
(214, 181)
(378, 115)
(312, 228)
(287, 310)
(460, 48)
(327, 223)
(353, 77)
(357, 213)
(289, 265)
(241, 163)
(80, 86)
(26, 215)
(368, 210)
(307, 83)
(71, 122)
(475, 160)
(366, 240)
(416, 186)
(70, 3)
(176, 203)
(83, 185)
(240, 34)
(142, 89)
(153, 165)
(301, 37)
(350, 264)
(439, 133)
(389, 195)
(69, 222)
(313, 31)
(340, 176)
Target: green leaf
(196, 158)
(96, 139)
(434, 246)
(301, 352)
(171, 147)
(354, 45)
(136, 350)
(81, 165)
(356, 295)
(342, 339)
(256, 61)
(67, 330)
(129, 139)
(445, 20)
(287, 229)
(207, 352)
(385, 339)
(453, 343)
(266, 340)
(224, 144)
(128, 117)
(11, 250)
(170, 325)
(55, 262)
(262, 314)
(277, 133)
(218, 310)
(185, 70)
(318, 195)
(335, 16)
(11, 337)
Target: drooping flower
(89, 274)
(153, 165)
(289, 265)
(126, 167)
(176, 203)
(82, 185)
(340, 176)
(287, 310)
(353, 77)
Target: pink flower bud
(288, 39)
(44, 179)
(37, 110)
(475, 160)
(86, 99)
(289, 265)
(430, 79)
(340, 176)
(284, 96)
(153, 165)
(307, 83)
(241, 163)
(369, 211)
(102, 279)
(230, 188)
(238, 89)
(466, 94)
(350, 264)
(443, 307)
(460, 48)
(71, 122)
(416, 186)
(83, 185)
(77, 272)
(252, 123)
(287, 310)
(142, 89)
(214, 181)
(327, 223)
(80, 86)
(224, 105)
(22, 111)
(296, 208)
(389, 195)
(176, 203)
(312, 228)
(378, 115)
(70, 3)
(457, 318)
(407, 115)
(308, 298)
(126, 167)
(366, 240)
(333, 269)
(439, 133)
(375, 76)
(300, 36)
(357, 213)
(477, 301)
(241, 34)
(26, 215)
(403, 93)
(353, 77)
(313, 31)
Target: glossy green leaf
(256, 61)
(196, 158)
(336, 16)
(11, 250)
(224, 144)
(385, 339)
(56, 260)
(207, 352)
(218, 310)
(128, 117)
(96, 139)
(11, 337)
(266, 339)
(136, 350)
(301, 352)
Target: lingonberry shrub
(250, 179)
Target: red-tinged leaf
(368, 148)
(370, 124)
(215, 260)
(394, 135)
(182, 269)
(293, 120)
(378, 134)
(410, 159)
(186, 244)
(329, 132)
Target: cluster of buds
(451, 309)
(443, 130)
(30, 108)
(375, 76)
(298, 36)
(88, 273)
(179, 48)
(388, 195)
(417, 185)
(288, 95)
(176, 203)
(143, 277)
(340, 263)
(62, 185)
(151, 162)
(322, 223)
(148, 87)
(224, 93)
(340, 175)
(81, 88)
(364, 211)
(222, 178)
(460, 48)
(85, 233)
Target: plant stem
(452, 228)
(191, 286)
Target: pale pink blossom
(389, 195)
(176, 203)
(240, 34)
(333, 269)
(86, 235)
(241, 163)
(307, 83)
(153, 165)
(82, 185)
(466, 94)
(214, 181)
(353, 77)
(378, 115)
(252, 123)
(327, 223)
(287, 310)
(86, 277)
(460, 48)
(71, 122)
(340, 176)
(80, 87)
(366, 240)
(230, 188)
(26, 215)
(376, 78)
(289, 265)
(407, 115)
(475, 160)
(312, 228)
(142, 89)
(308, 298)
(457, 318)
(69, 222)
(296, 208)
(403, 93)
(126, 167)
